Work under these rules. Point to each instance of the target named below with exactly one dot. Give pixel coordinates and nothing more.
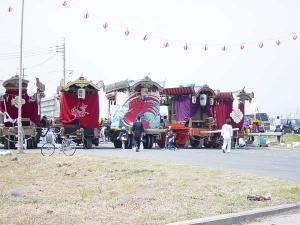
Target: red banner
(222, 111)
(86, 111)
(29, 108)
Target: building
(50, 107)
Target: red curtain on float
(221, 112)
(29, 109)
(86, 111)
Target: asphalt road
(284, 164)
(276, 163)
(291, 218)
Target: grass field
(285, 140)
(289, 138)
(100, 190)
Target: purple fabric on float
(195, 107)
(184, 108)
(208, 109)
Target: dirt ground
(101, 190)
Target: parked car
(291, 125)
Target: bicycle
(68, 146)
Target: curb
(237, 218)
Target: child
(123, 135)
(170, 139)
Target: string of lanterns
(166, 43)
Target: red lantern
(278, 42)
(126, 32)
(224, 48)
(10, 9)
(185, 47)
(64, 3)
(105, 25)
(242, 46)
(295, 37)
(166, 44)
(145, 38)
(205, 48)
(261, 44)
(86, 15)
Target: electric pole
(62, 49)
(20, 132)
(64, 55)
(23, 75)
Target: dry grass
(102, 190)
(285, 139)
(289, 138)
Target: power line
(29, 53)
(44, 73)
(41, 63)
(25, 55)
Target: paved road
(284, 164)
(275, 163)
(292, 218)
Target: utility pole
(20, 132)
(23, 75)
(64, 55)
(62, 49)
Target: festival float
(196, 114)
(129, 100)
(79, 112)
(31, 95)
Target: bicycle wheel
(69, 149)
(48, 149)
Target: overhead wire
(42, 63)
(31, 53)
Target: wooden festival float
(129, 100)
(196, 114)
(31, 96)
(79, 111)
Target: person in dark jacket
(44, 123)
(137, 130)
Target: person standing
(123, 136)
(227, 134)
(277, 122)
(102, 134)
(278, 128)
(166, 121)
(170, 139)
(138, 130)
(45, 126)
